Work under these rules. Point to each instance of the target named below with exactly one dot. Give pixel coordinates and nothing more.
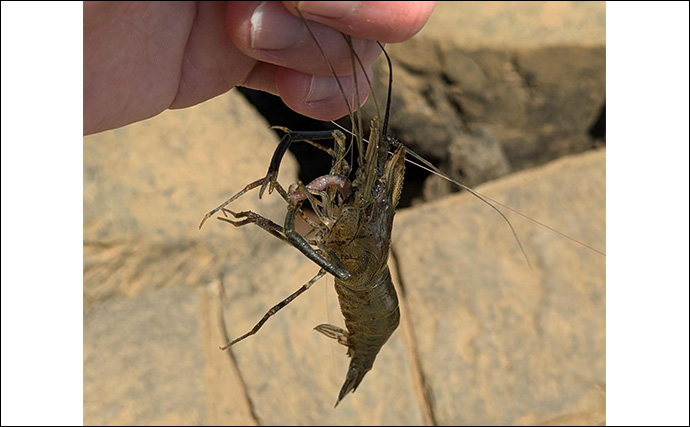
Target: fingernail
(321, 88)
(274, 28)
(328, 9)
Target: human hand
(141, 58)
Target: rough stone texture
(143, 362)
(519, 23)
(483, 339)
(517, 90)
(147, 186)
(500, 343)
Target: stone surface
(147, 186)
(499, 343)
(483, 339)
(519, 23)
(513, 83)
(143, 362)
(150, 353)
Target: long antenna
(332, 70)
(390, 89)
(433, 169)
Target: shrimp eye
(380, 194)
(382, 202)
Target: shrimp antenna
(389, 96)
(330, 66)
(434, 170)
(357, 100)
(479, 196)
(390, 89)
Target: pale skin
(141, 58)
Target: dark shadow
(598, 130)
(313, 162)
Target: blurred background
(506, 97)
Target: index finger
(385, 21)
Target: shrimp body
(351, 240)
(361, 240)
(371, 315)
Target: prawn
(352, 238)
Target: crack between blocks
(527, 81)
(420, 384)
(452, 90)
(231, 356)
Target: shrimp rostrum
(351, 238)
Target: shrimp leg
(273, 310)
(291, 236)
(264, 223)
(247, 188)
(336, 268)
(254, 218)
